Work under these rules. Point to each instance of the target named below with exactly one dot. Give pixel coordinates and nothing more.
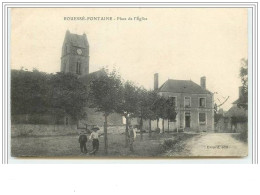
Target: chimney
(240, 92)
(156, 82)
(203, 82)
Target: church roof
(182, 86)
(78, 40)
(87, 77)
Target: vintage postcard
(129, 82)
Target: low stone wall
(55, 130)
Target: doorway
(187, 119)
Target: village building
(235, 120)
(194, 104)
(75, 59)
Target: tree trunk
(168, 126)
(163, 125)
(126, 132)
(157, 123)
(150, 128)
(105, 133)
(141, 128)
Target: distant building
(235, 119)
(194, 103)
(75, 59)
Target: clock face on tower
(79, 51)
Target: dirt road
(213, 144)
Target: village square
(83, 114)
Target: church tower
(75, 54)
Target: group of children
(95, 142)
(83, 141)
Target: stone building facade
(194, 104)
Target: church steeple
(75, 54)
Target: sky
(177, 43)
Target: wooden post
(163, 125)
(105, 134)
(126, 132)
(150, 128)
(141, 128)
(168, 126)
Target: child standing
(94, 137)
(82, 141)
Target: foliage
(129, 100)
(38, 93)
(238, 119)
(67, 95)
(217, 117)
(164, 109)
(146, 100)
(105, 93)
(243, 101)
(29, 92)
(105, 96)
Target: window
(187, 102)
(173, 101)
(78, 68)
(202, 102)
(202, 118)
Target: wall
(224, 125)
(97, 118)
(55, 130)
(39, 119)
(194, 111)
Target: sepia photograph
(129, 83)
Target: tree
(128, 104)
(146, 100)
(243, 100)
(105, 96)
(164, 109)
(68, 95)
(29, 92)
(41, 93)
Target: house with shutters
(194, 104)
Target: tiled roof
(78, 40)
(182, 86)
(235, 111)
(86, 78)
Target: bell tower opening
(78, 70)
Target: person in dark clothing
(82, 141)
(131, 137)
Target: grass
(241, 136)
(176, 144)
(68, 146)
